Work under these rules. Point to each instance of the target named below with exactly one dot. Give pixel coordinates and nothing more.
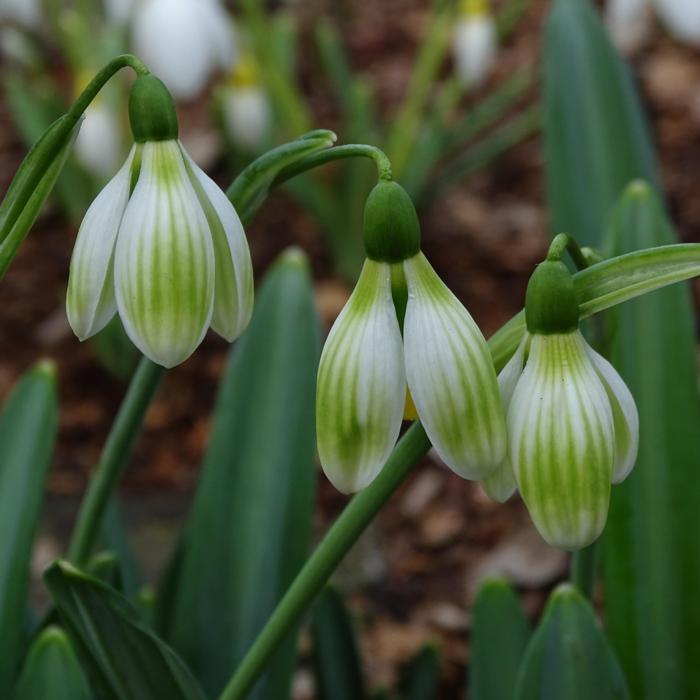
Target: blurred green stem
(113, 459)
(335, 545)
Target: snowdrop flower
(682, 18)
(26, 13)
(184, 41)
(474, 43)
(245, 107)
(573, 426)
(98, 146)
(161, 245)
(366, 364)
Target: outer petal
(474, 46)
(98, 145)
(247, 114)
(451, 375)
(625, 416)
(90, 302)
(560, 428)
(361, 384)
(682, 17)
(164, 262)
(233, 296)
(629, 22)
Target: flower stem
(313, 576)
(351, 150)
(564, 242)
(113, 459)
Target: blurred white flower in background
(474, 42)
(25, 12)
(629, 21)
(119, 11)
(245, 106)
(183, 42)
(98, 146)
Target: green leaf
(124, 657)
(420, 678)
(651, 558)
(336, 660)
(500, 634)
(569, 656)
(248, 531)
(596, 138)
(27, 433)
(51, 670)
(249, 189)
(597, 143)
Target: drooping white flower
(366, 367)
(98, 146)
(27, 13)
(184, 41)
(245, 106)
(162, 246)
(474, 43)
(682, 18)
(119, 11)
(573, 427)
(629, 23)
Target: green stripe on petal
(90, 302)
(560, 427)
(451, 375)
(361, 384)
(164, 261)
(233, 296)
(625, 416)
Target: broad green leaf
(596, 138)
(124, 658)
(249, 189)
(651, 556)
(336, 660)
(420, 678)
(27, 433)
(596, 144)
(500, 634)
(248, 531)
(569, 656)
(51, 670)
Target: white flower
(184, 42)
(366, 367)
(474, 43)
(27, 13)
(98, 145)
(682, 17)
(573, 429)
(162, 246)
(246, 112)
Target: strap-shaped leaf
(420, 678)
(249, 189)
(124, 658)
(500, 634)
(336, 660)
(569, 656)
(51, 670)
(248, 531)
(27, 433)
(597, 144)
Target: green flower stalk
(573, 426)
(161, 245)
(367, 365)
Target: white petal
(629, 23)
(625, 416)
(361, 384)
(180, 42)
(164, 261)
(500, 483)
(474, 47)
(682, 17)
(508, 377)
(233, 296)
(451, 375)
(98, 144)
(247, 116)
(90, 302)
(560, 427)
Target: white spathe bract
(247, 114)
(362, 382)
(474, 46)
(629, 23)
(184, 42)
(169, 256)
(98, 145)
(682, 18)
(572, 430)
